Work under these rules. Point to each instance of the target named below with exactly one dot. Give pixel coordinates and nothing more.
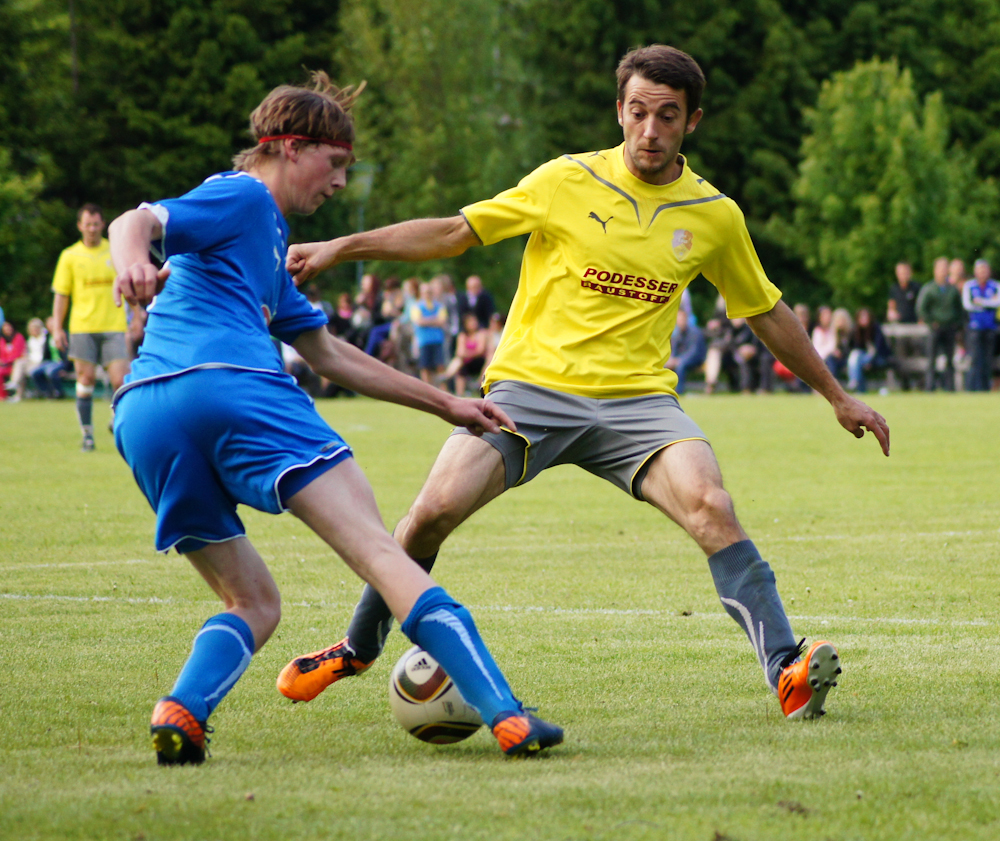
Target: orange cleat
(522, 734)
(803, 686)
(305, 677)
(178, 737)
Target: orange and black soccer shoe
(306, 676)
(804, 685)
(522, 734)
(178, 737)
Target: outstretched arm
(781, 331)
(351, 368)
(138, 280)
(413, 241)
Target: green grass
(601, 612)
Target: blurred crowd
(940, 334)
(421, 327)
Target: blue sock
(445, 630)
(746, 587)
(220, 654)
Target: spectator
(341, 320)
(842, 325)
(429, 319)
(470, 355)
(379, 342)
(868, 350)
(445, 290)
(477, 300)
(939, 306)
(367, 307)
(687, 349)
(904, 292)
(823, 338)
(33, 356)
(318, 303)
(891, 312)
(11, 352)
(48, 375)
(494, 335)
(981, 298)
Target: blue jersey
(228, 290)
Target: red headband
(343, 144)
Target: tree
(878, 183)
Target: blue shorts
(204, 441)
(431, 357)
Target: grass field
(601, 612)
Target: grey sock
(745, 584)
(84, 409)
(372, 619)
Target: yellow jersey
(86, 275)
(604, 268)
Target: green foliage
(878, 184)
(441, 119)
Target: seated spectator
(868, 350)
(12, 348)
(379, 342)
(317, 301)
(687, 349)
(494, 335)
(48, 376)
(341, 322)
(823, 338)
(33, 356)
(842, 326)
(470, 354)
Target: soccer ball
(426, 701)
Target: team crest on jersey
(682, 244)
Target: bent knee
(432, 517)
(713, 510)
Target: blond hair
(318, 110)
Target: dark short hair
(663, 65)
(89, 207)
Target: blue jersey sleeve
(294, 315)
(208, 216)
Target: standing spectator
(429, 318)
(445, 292)
(476, 299)
(904, 292)
(11, 352)
(48, 375)
(868, 350)
(687, 349)
(367, 307)
(981, 298)
(939, 306)
(84, 275)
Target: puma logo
(604, 222)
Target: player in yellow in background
(615, 236)
(85, 275)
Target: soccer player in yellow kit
(615, 237)
(85, 275)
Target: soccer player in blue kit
(208, 418)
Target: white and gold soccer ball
(426, 701)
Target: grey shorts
(95, 348)
(613, 438)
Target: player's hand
(478, 416)
(139, 283)
(856, 417)
(306, 259)
(59, 337)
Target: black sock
(84, 409)
(372, 619)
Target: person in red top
(11, 349)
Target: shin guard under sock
(220, 654)
(746, 587)
(372, 619)
(444, 628)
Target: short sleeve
(520, 210)
(213, 213)
(294, 315)
(738, 275)
(62, 280)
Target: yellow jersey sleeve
(737, 273)
(517, 211)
